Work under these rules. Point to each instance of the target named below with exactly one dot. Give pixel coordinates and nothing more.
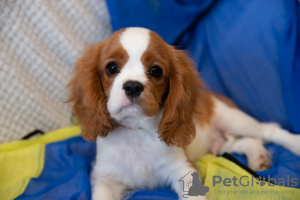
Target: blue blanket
(248, 50)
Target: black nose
(133, 88)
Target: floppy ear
(88, 97)
(176, 126)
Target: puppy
(145, 105)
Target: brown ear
(176, 126)
(88, 97)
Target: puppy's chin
(133, 116)
(130, 111)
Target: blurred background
(248, 50)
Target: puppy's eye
(156, 72)
(112, 68)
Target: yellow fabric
(22, 160)
(210, 166)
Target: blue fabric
(66, 172)
(168, 18)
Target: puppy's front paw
(260, 161)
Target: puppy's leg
(103, 188)
(233, 120)
(257, 156)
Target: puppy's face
(135, 67)
(134, 74)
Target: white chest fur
(136, 158)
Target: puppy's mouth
(128, 111)
(133, 104)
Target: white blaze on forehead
(135, 41)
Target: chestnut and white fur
(151, 115)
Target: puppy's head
(134, 75)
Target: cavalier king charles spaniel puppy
(144, 104)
